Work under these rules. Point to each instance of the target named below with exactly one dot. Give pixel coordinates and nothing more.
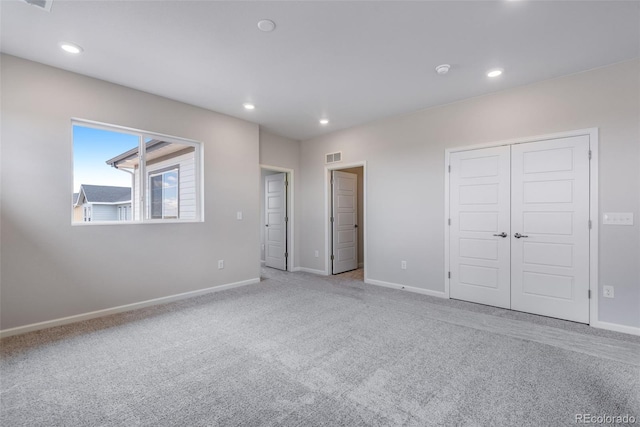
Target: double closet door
(519, 232)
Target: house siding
(186, 180)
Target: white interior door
(550, 211)
(479, 229)
(344, 220)
(275, 221)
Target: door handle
(266, 225)
(518, 235)
(503, 235)
(355, 226)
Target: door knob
(266, 225)
(518, 235)
(503, 234)
(355, 226)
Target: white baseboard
(632, 330)
(128, 307)
(429, 292)
(311, 270)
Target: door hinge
(449, 221)
(589, 293)
(332, 258)
(331, 219)
(590, 224)
(286, 183)
(589, 154)
(449, 168)
(286, 219)
(449, 275)
(286, 255)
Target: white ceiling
(353, 62)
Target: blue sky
(91, 148)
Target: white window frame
(139, 201)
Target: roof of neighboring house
(74, 198)
(105, 193)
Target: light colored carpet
(299, 349)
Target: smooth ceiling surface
(352, 62)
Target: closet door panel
(550, 228)
(479, 242)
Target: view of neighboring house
(170, 178)
(102, 203)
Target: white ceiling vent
(334, 157)
(41, 4)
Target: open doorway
(346, 230)
(276, 217)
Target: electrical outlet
(403, 265)
(317, 254)
(220, 264)
(239, 215)
(607, 291)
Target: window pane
(155, 188)
(176, 163)
(101, 185)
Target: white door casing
(480, 227)
(550, 210)
(344, 221)
(275, 221)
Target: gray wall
(283, 152)
(50, 269)
(405, 175)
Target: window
(124, 175)
(163, 194)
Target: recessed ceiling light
(324, 121)
(248, 106)
(266, 25)
(71, 48)
(443, 69)
(495, 72)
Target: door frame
(592, 133)
(290, 212)
(327, 212)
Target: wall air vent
(41, 4)
(333, 157)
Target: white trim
(327, 211)
(413, 289)
(592, 133)
(290, 212)
(632, 330)
(594, 233)
(311, 270)
(128, 307)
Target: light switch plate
(617, 218)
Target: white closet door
(550, 211)
(275, 194)
(345, 225)
(479, 231)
